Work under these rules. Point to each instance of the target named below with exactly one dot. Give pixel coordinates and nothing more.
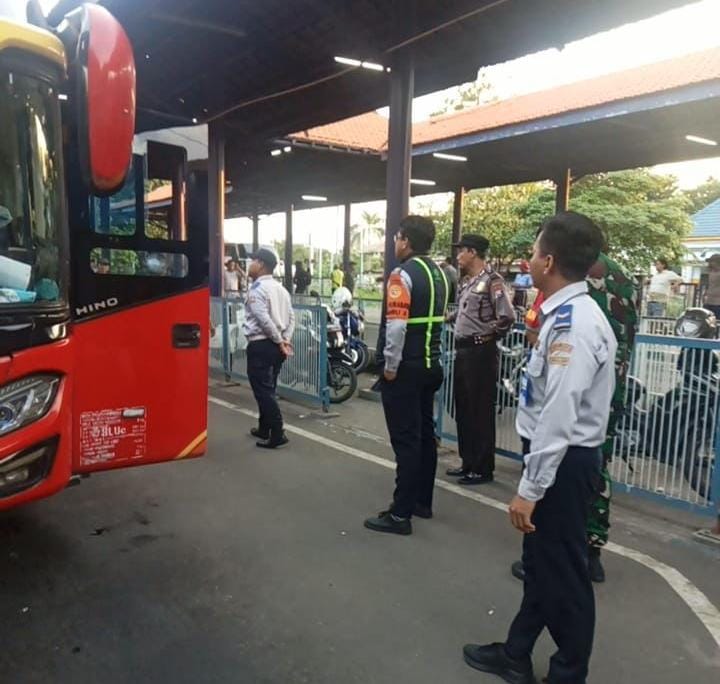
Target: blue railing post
(323, 369)
(226, 337)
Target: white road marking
(695, 599)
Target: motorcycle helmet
(697, 323)
(341, 299)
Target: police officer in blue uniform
(562, 418)
(416, 301)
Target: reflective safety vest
(428, 304)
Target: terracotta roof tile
(369, 131)
(364, 132)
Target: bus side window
(130, 262)
(115, 215)
(165, 192)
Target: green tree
(703, 194)
(500, 214)
(643, 215)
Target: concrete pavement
(253, 566)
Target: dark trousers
(558, 591)
(264, 361)
(475, 382)
(408, 402)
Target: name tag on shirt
(525, 390)
(481, 287)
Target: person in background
(301, 278)
(712, 294)
(337, 278)
(231, 279)
(562, 416)
(484, 314)
(409, 351)
(616, 294)
(452, 276)
(269, 325)
(661, 286)
(522, 284)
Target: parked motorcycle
(342, 377)
(352, 323)
(678, 427)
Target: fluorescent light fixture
(314, 198)
(372, 66)
(275, 153)
(449, 157)
(287, 149)
(349, 61)
(698, 139)
(194, 120)
(62, 97)
(420, 181)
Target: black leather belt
(473, 341)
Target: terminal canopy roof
(266, 67)
(632, 118)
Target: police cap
(266, 256)
(477, 242)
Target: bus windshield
(33, 250)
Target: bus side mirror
(102, 67)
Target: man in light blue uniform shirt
(269, 326)
(562, 419)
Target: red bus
(104, 306)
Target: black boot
(456, 472)
(597, 572)
(275, 440)
(493, 659)
(260, 433)
(387, 522)
(518, 570)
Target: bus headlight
(25, 401)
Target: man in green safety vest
(416, 300)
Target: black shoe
(597, 572)
(493, 659)
(259, 433)
(456, 472)
(273, 441)
(475, 479)
(423, 512)
(518, 570)
(387, 522)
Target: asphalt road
(249, 566)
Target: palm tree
(370, 230)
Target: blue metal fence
(667, 442)
(303, 376)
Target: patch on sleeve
(398, 298)
(563, 317)
(498, 290)
(559, 354)
(255, 285)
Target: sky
(688, 29)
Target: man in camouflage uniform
(616, 294)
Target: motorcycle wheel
(361, 357)
(342, 381)
(698, 470)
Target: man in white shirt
(662, 284)
(231, 279)
(269, 325)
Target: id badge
(525, 390)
